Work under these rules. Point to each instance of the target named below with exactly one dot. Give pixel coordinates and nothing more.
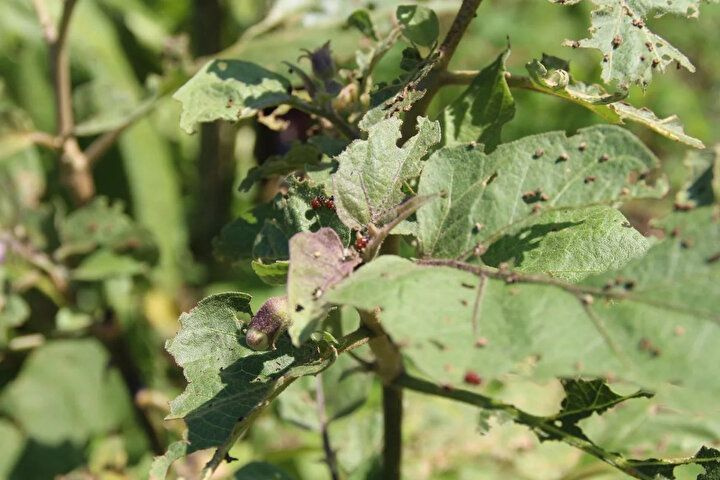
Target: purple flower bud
(322, 63)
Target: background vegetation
(84, 377)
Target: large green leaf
(94, 401)
(659, 327)
(368, 184)
(228, 383)
(229, 90)
(631, 51)
(486, 196)
(479, 113)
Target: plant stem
(330, 457)
(431, 84)
(544, 427)
(392, 427)
(76, 172)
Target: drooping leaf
(229, 90)
(318, 261)
(369, 180)
(227, 381)
(631, 51)
(421, 25)
(480, 112)
(485, 195)
(551, 75)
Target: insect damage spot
(645, 345)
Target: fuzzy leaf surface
(317, 262)
(227, 381)
(368, 183)
(659, 328)
(487, 195)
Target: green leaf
(261, 471)
(569, 243)
(266, 237)
(703, 186)
(101, 224)
(368, 183)
(229, 90)
(361, 20)
(161, 464)
(421, 24)
(479, 113)
(11, 446)
(631, 51)
(655, 329)
(551, 75)
(487, 195)
(72, 370)
(585, 397)
(105, 263)
(300, 157)
(14, 311)
(317, 262)
(274, 273)
(228, 383)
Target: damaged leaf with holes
(631, 51)
(486, 197)
(229, 383)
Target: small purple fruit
(271, 320)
